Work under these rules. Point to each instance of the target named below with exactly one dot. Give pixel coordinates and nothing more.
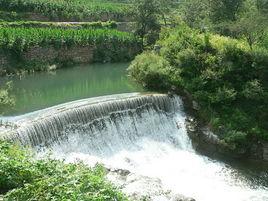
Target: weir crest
(128, 114)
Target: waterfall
(99, 119)
(143, 134)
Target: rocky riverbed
(142, 188)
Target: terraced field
(46, 32)
(65, 10)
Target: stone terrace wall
(40, 57)
(50, 54)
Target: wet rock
(203, 139)
(195, 105)
(142, 188)
(121, 172)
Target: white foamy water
(155, 144)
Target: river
(136, 134)
(44, 89)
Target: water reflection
(42, 90)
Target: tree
(195, 13)
(252, 23)
(165, 7)
(147, 14)
(262, 6)
(224, 10)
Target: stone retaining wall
(50, 54)
(43, 57)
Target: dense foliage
(21, 38)
(149, 15)
(37, 24)
(247, 19)
(69, 10)
(24, 178)
(226, 77)
(5, 98)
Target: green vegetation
(77, 10)
(225, 76)
(247, 19)
(24, 178)
(22, 38)
(107, 44)
(148, 15)
(81, 25)
(5, 99)
(218, 52)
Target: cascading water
(145, 135)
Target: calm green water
(42, 90)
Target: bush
(5, 99)
(50, 179)
(151, 70)
(226, 77)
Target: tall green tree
(252, 23)
(165, 7)
(224, 10)
(195, 12)
(148, 14)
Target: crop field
(21, 38)
(69, 9)
(67, 25)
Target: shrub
(5, 99)
(151, 70)
(226, 77)
(28, 179)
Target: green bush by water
(6, 100)
(226, 77)
(24, 178)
